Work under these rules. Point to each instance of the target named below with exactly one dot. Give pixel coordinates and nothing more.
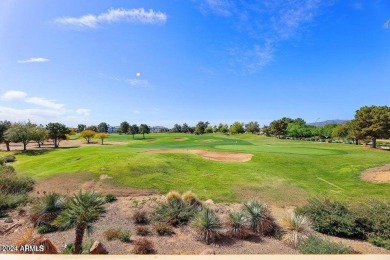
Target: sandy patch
(377, 175)
(180, 139)
(211, 155)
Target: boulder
(98, 248)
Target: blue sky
(167, 62)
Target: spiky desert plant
(259, 217)
(295, 227)
(237, 224)
(82, 210)
(174, 196)
(207, 224)
(47, 209)
(191, 199)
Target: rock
(208, 252)
(98, 248)
(48, 246)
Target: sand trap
(377, 175)
(211, 155)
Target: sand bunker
(377, 175)
(211, 155)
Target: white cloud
(44, 102)
(115, 16)
(13, 95)
(83, 111)
(31, 60)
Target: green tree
(81, 127)
(57, 132)
(87, 135)
(201, 127)
(252, 127)
(223, 128)
(4, 126)
(124, 127)
(209, 130)
(237, 128)
(101, 136)
(185, 128)
(82, 210)
(20, 132)
(40, 134)
(373, 122)
(176, 128)
(102, 127)
(144, 129)
(279, 127)
(133, 130)
(341, 131)
(92, 128)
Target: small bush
(142, 231)
(45, 210)
(85, 248)
(10, 201)
(110, 198)
(259, 217)
(9, 158)
(174, 196)
(296, 229)
(143, 246)
(13, 184)
(207, 225)
(112, 233)
(124, 236)
(237, 224)
(379, 241)
(316, 245)
(6, 170)
(1, 161)
(163, 229)
(140, 217)
(174, 213)
(46, 228)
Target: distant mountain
(328, 122)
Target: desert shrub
(143, 246)
(6, 170)
(45, 210)
(174, 213)
(142, 231)
(207, 225)
(124, 236)
(333, 218)
(296, 229)
(140, 217)
(46, 228)
(112, 233)
(3, 213)
(110, 198)
(379, 241)
(237, 224)
(10, 201)
(2, 161)
(316, 245)
(259, 217)
(9, 158)
(174, 196)
(163, 229)
(12, 184)
(69, 248)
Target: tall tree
(252, 127)
(87, 135)
(102, 127)
(57, 132)
(40, 134)
(82, 210)
(373, 122)
(279, 127)
(92, 128)
(201, 127)
(237, 128)
(176, 128)
(20, 132)
(4, 126)
(124, 127)
(101, 136)
(81, 127)
(185, 128)
(144, 129)
(133, 130)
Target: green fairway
(284, 172)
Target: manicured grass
(284, 172)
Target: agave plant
(296, 229)
(47, 209)
(207, 224)
(237, 225)
(259, 217)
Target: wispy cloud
(134, 82)
(34, 60)
(48, 110)
(265, 24)
(115, 16)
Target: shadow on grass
(43, 151)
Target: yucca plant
(259, 217)
(174, 196)
(207, 224)
(47, 209)
(81, 211)
(190, 198)
(295, 227)
(237, 223)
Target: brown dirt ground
(65, 143)
(377, 175)
(211, 155)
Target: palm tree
(81, 211)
